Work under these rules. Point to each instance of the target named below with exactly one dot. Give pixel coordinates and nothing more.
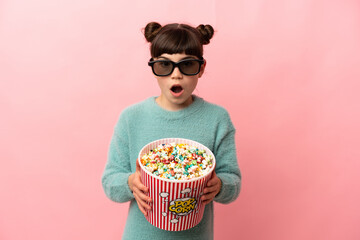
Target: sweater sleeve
(118, 169)
(227, 168)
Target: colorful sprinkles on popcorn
(177, 161)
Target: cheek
(194, 83)
(161, 83)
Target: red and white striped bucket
(176, 204)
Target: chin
(183, 101)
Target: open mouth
(176, 89)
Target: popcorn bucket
(176, 204)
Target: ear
(202, 69)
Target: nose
(176, 73)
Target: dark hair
(177, 38)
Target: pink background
(287, 71)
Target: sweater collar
(182, 113)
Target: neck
(161, 101)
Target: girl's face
(177, 88)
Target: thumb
(137, 165)
(212, 180)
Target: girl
(177, 63)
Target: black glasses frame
(175, 64)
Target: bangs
(177, 40)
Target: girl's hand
(139, 190)
(212, 189)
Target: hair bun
(151, 30)
(207, 32)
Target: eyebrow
(189, 57)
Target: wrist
(220, 183)
(129, 182)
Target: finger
(138, 184)
(141, 195)
(141, 208)
(143, 203)
(207, 198)
(211, 189)
(141, 187)
(207, 201)
(137, 165)
(212, 181)
(146, 206)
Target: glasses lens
(190, 67)
(163, 67)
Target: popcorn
(177, 161)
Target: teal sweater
(145, 122)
